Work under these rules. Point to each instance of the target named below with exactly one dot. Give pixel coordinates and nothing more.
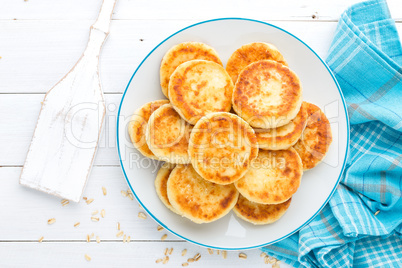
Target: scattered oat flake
(272, 260)
(129, 191)
(170, 251)
(64, 202)
(142, 215)
(95, 212)
(103, 213)
(128, 239)
(184, 264)
(224, 254)
(275, 265)
(41, 239)
(89, 201)
(242, 256)
(97, 239)
(218, 251)
(197, 256)
(76, 224)
(124, 238)
(87, 257)
(375, 214)
(166, 260)
(210, 251)
(104, 190)
(51, 221)
(95, 219)
(131, 196)
(124, 193)
(158, 260)
(159, 228)
(118, 226)
(85, 198)
(119, 234)
(183, 252)
(88, 238)
(166, 251)
(263, 254)
(266, 259)
(190, 260)
(164, 237)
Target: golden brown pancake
(283, 137)
(316, 138)
(200, 87)
(273, 177)
(197, 199)
(222, 145)
(181, 53)
(161, 184)
(167, 135)
(267, 94)
(250, 53)
(259, 213)
(138, 125)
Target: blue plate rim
(347, 127)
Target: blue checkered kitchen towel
(366, 58)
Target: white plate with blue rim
(319, 87)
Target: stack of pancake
(236, 138)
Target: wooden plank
(160, 9)
(395, 8)
(134, 254)
(25, 212)
(57, 45)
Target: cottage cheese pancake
(272, 178)
(181, 53)
(259, 213)
(167, 135)
(197, 199)
(161, 184)
(316, 138)
(250, 53)
(138, 125)
(285, 136)
(267, 94)
(222, 145)
(200, 87)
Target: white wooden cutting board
(66, 136)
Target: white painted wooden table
(40, 40)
